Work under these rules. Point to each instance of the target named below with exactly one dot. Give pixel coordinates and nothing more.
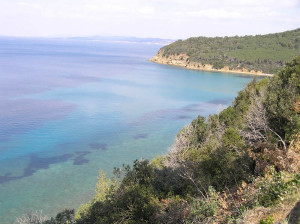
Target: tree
(282, 93)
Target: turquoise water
(70, 108)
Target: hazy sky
(147, 18)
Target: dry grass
(279, 212)
(234, 201)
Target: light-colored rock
(182, 60)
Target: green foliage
(168, 182)
(224, 168)
(204, 208)
(104, 186)
(233, 116)
(243, 100)
(199, 126)
(232, 140)
(218, 64)
(295, 181)
(267, 53)
(83, 211)
(142, 173)
(283, 91)
(268, 220)
(138, 200)
(172, 210)
(272, 190)
(134, 201)
(157, 162)
(64, 217)
(228, 116)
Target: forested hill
(266, 53)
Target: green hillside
(267, 53)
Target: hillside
(247, 54)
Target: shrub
(173, 210)
(282, 93)
(104, 186)
(228, 116)
(32, 218)
(232, 139)
(83, 211)
(64, 217)
(272, 189)
(268, 220)
(204, 208)
(224, 168)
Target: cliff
(183, 60)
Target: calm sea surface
(69, 108)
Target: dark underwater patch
(7, 177)
(154, 115)
(223, 101)
(193, 107)
(98, 146)
(36, 163)
(182, 117)
(80, 158)
(140, 136)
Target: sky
(174, 19)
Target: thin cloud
(155, 18)
(215, 14)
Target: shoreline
(181, 61)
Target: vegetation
(219, 169)
(266, 53)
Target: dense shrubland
(220, 168)
(266, 53)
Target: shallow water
(70, 108)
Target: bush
(272, 189)
(32, 218)
(224, 168)
(83, 211)
(173, 210)
(64, 217)
(232, 139)
(204, 208)
(282, 93)
(228, 116)
(268, 220)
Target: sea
(72, 107)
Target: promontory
(256, 55)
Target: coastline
(182, 61)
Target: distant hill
(265, 53)
(125, 39)
(108, 39)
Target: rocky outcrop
(182, 60)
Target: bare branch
(280, 139)
(32, 218)
(256, 121)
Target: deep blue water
(69, 108)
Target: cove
(72, 107)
